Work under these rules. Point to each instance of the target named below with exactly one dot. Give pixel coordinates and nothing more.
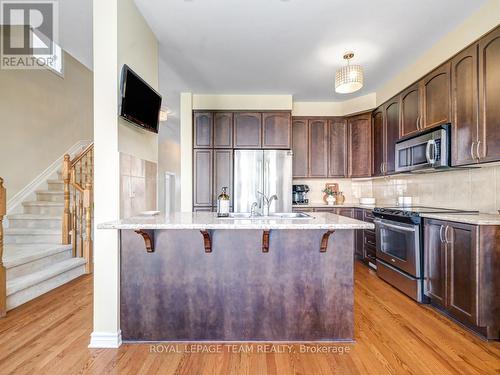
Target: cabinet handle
(441, 234)
(446, 234)
(417, 123)
(472, 150)
(478, 153)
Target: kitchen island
(196, 277)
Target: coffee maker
(300, 194)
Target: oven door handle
(393, 226)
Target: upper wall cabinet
(410, 110)
(223, 130)
(300, 147)
(378, 142)
(360, 145)
(276, 130)
(488, 146)
(247, 130)
(392, 125)
(436, 97)
(464, 118)
(337, 154)
(318, 148)
(203, 129)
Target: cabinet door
(223, 130)
(392, 122)
(337, 161)
(378, 142)
(247, 130)
(435, 261)
(318, 148)
(300, 136)
(202, 177)
(277, 130)
(360, 146)
(203, 129)
(462, 271)
(489, 97)
(464, 95)
(223, 173)
(436, 97)
(203, 209)
(410, 110)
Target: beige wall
(138, 48)
(42, 116)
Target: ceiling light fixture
(349, 78)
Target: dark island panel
(237, 293)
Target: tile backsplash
(138, 180)
(475, 189)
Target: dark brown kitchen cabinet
(202, 177)
(203, 209)
(464, 102)
(347, 212)
(203, 129)
(300, 143)
(488, 146)
(462, 272)
(360, 145)
(410, 110)
(435, 262)
(392, 125)
(436, 97)
(276, 130)
(223, 130)
(378, 142)
(358, 239)
(247, 130)
(223, 173)
(318, 147)
(337, 159)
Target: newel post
(66, 221)
(87, 247)
(3, 273)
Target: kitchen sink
(273, 216)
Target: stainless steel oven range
(399, 242)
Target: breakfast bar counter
(196, 277)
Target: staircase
(35, 261)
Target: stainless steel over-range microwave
(423, 151)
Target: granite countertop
(476, 219)
(209, 220)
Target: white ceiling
(293, 46)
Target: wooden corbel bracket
(324, 241)
(265, 241)
(148, 241)
(207, 241)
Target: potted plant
(330, 196)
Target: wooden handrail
(77, 174)
(3, 272)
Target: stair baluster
(78, 208)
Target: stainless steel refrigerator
(267, 171)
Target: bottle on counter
(223, 203)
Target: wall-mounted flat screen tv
(140, 102)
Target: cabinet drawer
(369, 239)
(368, 216)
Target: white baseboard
(105, 340)
(14, 203)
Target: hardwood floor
(394, 335)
